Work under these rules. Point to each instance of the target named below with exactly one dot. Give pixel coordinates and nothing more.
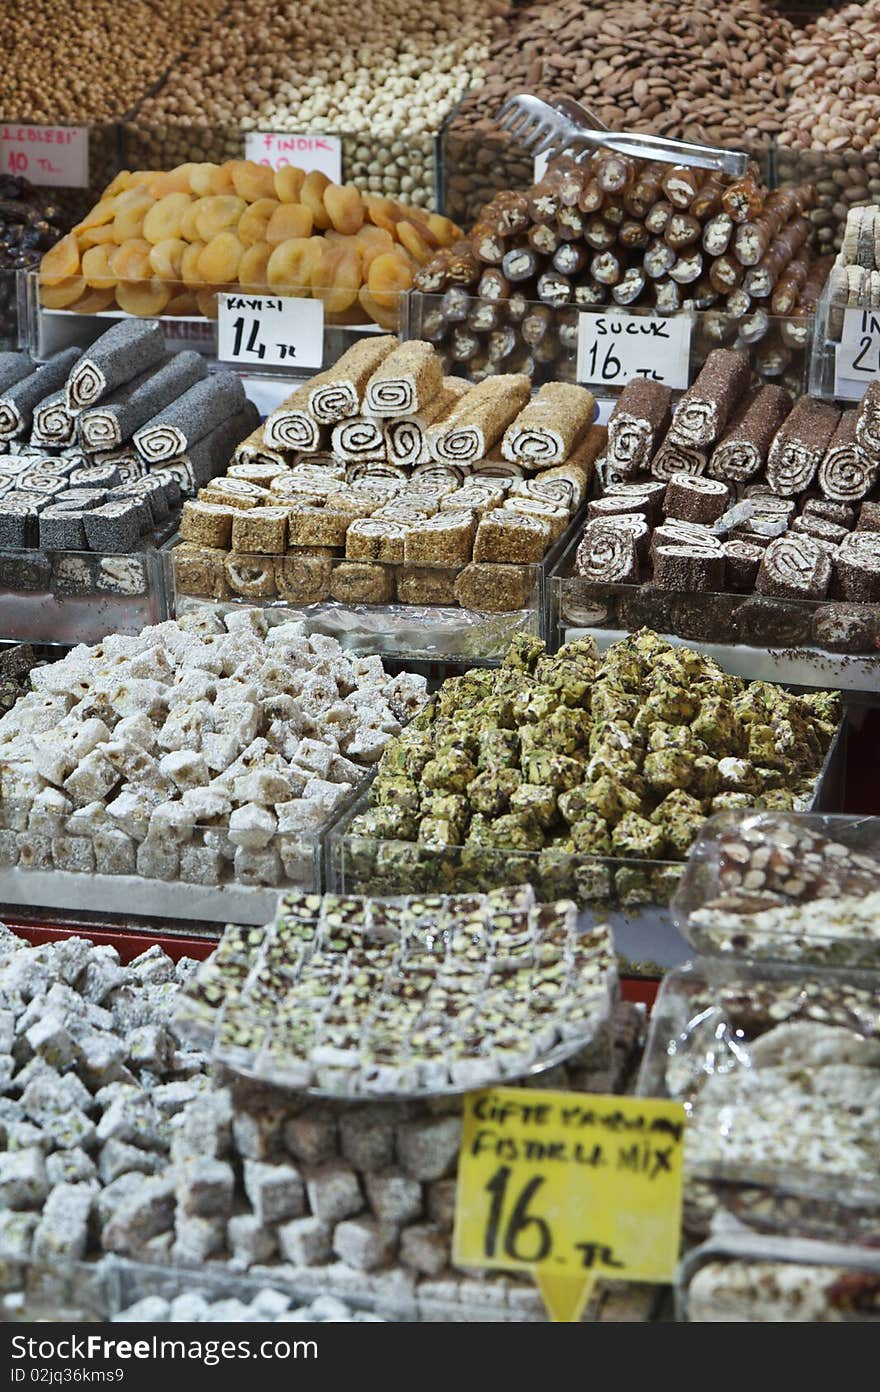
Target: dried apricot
(444, 229)
(412, 238)
(252, 181)
(143, 297)
(312, 195)
(292, 263)
(60, 262)
(207, 303)
(288, 183)
(345, 207)
(217, 214)
(389, 275)
(96, 268)
(94, 236)
(184, 303)
(255, 219)
(61, 294)
(132, 261)
(189, 265)
(102, 213)
(131, 210)
(252, 268)
(218, 263)
(382, 212)
(385, 318)
(289, 220)
(337, 278)
(188, 229)
(165, 217)
(93, 302)
(166, 258)
(201, 179)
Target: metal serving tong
(568, 127)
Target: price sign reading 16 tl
(570, 1186)
(613, 348)
(270, 331)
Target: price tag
(270, 330)
(55, 156)
(570, 1187)
(323, 152)
(614, 348)
(857, 359)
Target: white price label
(55, 156)
(857, 359)
(614, 348)
(270, 331)
(309, 152)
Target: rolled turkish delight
(291, 426)
(548, 428)
(637, 424)
(607, 553)
(743, 448)
(303, 576)
(340, 397)
(446, 539)
(371, 539)
(252, 577)
(53, 424)
(118, 416)
(254, 451)
(868, 422)
(406, 435)
(193, 415)
(846, 473)
(359, 582)
(799, 446)
(795, 567)
(688, 567)
(857, 567)
(123, 352)
(426, 585)
(21, 396)
(706, 407)
(675, 457)
(405, 381)
(695, 499)
(209, 455)
(357, 439)
(511, 538)
(743, 561)
(13, 367)
(479, 419)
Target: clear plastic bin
(777, 1069)
(771, 886)
(79, 596)
(738, 1276)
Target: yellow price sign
(570, 1186)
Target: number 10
(517, 1222)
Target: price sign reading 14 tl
(613, 348)
(54, 156)
(270, 331)
(570, 1187)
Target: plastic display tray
(632, 896)
(79, 596)
(428, 632)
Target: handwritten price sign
(270, 331)
(570, 1187)
(322, 152)
(857, 360)
(55, 156)
(614, 348)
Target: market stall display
(738, 1277)
(381, 482)
(738, 518)
(195, 754)
(771, 886)
(615, 231)
(427, 995)
(166, 242)
(584, 776)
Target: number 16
(518, 1221)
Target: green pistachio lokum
(635, 836)
(452, 807)
(451, 770)
(665, 769)
(437, 834)
(606, 797)
(633, 886)
(567, 730)
(539, 799)
(591, 835)
(609, 701)
(665, 736)
(557, 770)
(490, 792)
(717, 724)
(392, 791)
(516, 831)
(524, 652)
(732, 802)
(498, 749)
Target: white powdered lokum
(185, 751)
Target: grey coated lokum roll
(17, 401)
(115, 419)
(210, 455)
(14, 366)
(123, 352)
(53, 424)
(174, 429)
